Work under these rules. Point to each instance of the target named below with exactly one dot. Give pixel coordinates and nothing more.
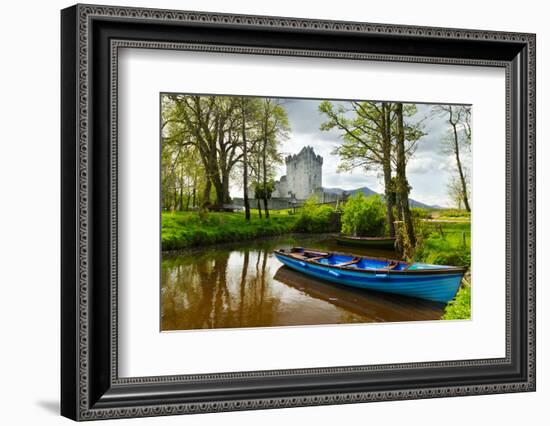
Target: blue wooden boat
(432, 282)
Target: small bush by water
(364, 216)
(316, 218)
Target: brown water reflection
(244, 285)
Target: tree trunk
(221, 183)
(225, 187)
(459, 164)
(399, 241)
(245, 166)
(264, 166)
(208, 161)
(219, 195)
(207, 191)
(259, 208)
(181, 181)
(388, 195)
(399, 207)
(386, 166)
(401, 179)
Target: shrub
(203, 213)
(364, 216)
(318, 218)
(418, 212)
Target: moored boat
(386, 243)
(432, 282)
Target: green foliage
(447, 243)
(443, 243)
(317, 218)
(364, 127)
(203, 143)
(418, 212)
(203, 214)
(452, 214)
(259, 191)
(460, 307)
(364, 216)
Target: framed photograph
(263, 212)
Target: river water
(244, 285)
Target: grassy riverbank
(448, 242)
(188, 229)
(445, 243)
(460, 307)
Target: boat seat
(299, 256)
(317, 257)
(392, 265)
(351, 262)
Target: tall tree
(210, 123)
(244, 115)
(182, 175)
(402, 185)
(454, 188)
(274, 128)
(368, 133)
(458, 117)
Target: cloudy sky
(428, 171)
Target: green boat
(386, 243)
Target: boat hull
(436, 287)
(377, 243)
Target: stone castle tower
(303, 177)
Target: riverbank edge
(181, 231)
(225, 244)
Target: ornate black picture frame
(91, 36)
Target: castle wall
(281, 188)
(304, 173)
(327, 197)
(275, 203)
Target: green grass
(448, 243)
(450, 214)
(460, 307)
(187, 229)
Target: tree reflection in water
(204, 291)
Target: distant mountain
(367, 191)
(414, 203)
